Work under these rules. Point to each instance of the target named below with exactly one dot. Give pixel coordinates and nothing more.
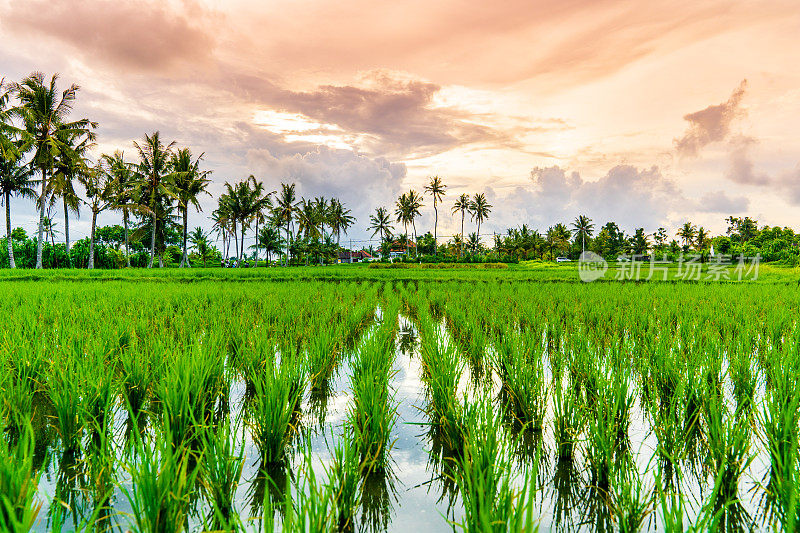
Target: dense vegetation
(47, 157)
(246, 400)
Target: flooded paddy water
(602, 427)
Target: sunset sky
(645, 113)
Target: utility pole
(350, 249)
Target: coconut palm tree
(188, 183)
(44, 115)
(462, 205)
(480, 209)
(380, 223)
(340, 219)
(221, 217)
(414, 206)
(269, 238)
(687, 234)
(262, 204)
(15, 180)
(154, 177)
(124, 197)
(403, 213)
(286, 206)
(582, 227)
(15, 176)
(435, 188)
(69, 164)
(100, 191)
(199, 241)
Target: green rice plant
(568, 422)
(521, 371)
(373, 413)
(485, 477)
(743, 377)
(779, 419)
(187, 393)
(631, 501)
(18, 484)
(343, 476)
(137, 378)
(221, 471)
(65, 393)
(278, 391)
(162, 483)
(101, 459)
(728, 456)
(442, 370)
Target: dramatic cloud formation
(720, 202)
(741, 169)
(145, 36)
(709, 125)
(363, 100)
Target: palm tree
(687, 233)
(435, 188)
(403, 213)
(380, 223)
(414, 205)
(69, 164)
(261, 204)
(154, 176)
(479, 210)
(222, 222)
(285, 209)
(15, 177)
(15, 180)
(44, 115)
(188, 182)
(701, 242)
(199, 241)
(463, 205)
(124, 197)
(99, 186)
(582, 227)
(473, 243)
(340, 219)
(270, 240)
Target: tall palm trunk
(42, 201)
(255, 263)
(235, 239)
(91, 240)
(152, 243)
(66, 230)
(414, 227)
(241, 248)
(435, 226)
(287, 242)
(125, 225)
(185, 256)
(461, 249)
(11, 262)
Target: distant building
(354, 256)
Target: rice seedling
(162, 484)
(278, 389)
(485, 478)
(18, 483)
(344, 476)
(520, 368)
(222, 463)
(374, 411)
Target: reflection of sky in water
(416, 501)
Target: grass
(133, 382)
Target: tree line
(45, 157)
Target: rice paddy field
(361, 399)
